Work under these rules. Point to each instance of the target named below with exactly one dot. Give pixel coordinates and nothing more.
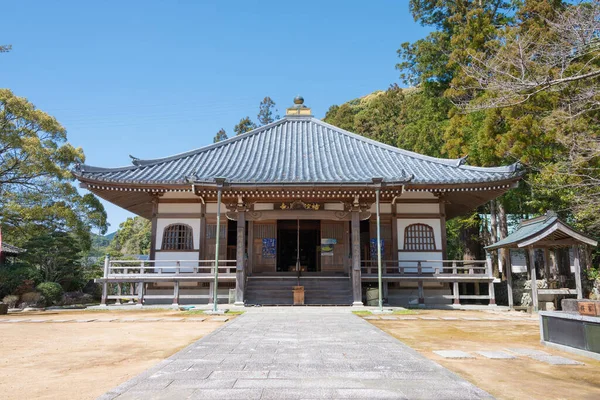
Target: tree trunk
(503, 232)
(494, 235)
(470, 237)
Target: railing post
(104, 282)
(143, 267)
(176, 293)
(177, 267)
(454, 268)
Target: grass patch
(405, 312)
(362, 312)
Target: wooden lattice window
(178, 237)
(419, 237)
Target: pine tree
(245, 125)
(265, 113)
(220, 136)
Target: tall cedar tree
(265, 111)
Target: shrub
(32, 299)
(17, 279)
(11, 300)
(51, 291)
(72, 298)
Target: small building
(9, 253)
(301, 202)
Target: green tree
(265, 111)
(57, 257)
(36, 190)
(245, 125)
(133, 237)
(5, 48)
(220, 136)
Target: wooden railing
(149, 268)
(428, 268)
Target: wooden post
(546, 264)
(534, 292)
(508, 266)
(421, 293)
(105, 283)
(240, 274)
(176, 293)
(577, 272)
(490, 267)
(141, 290)
(456, 293)
(153, 228)
(356, 272)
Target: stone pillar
(534, 292)
(141, 289)
(211, 293)
(356, 273)
(240, 273)
(577, 272)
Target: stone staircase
(275, 291)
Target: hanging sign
(269, 248)
(374, 248)
(327, 246)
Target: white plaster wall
(414, 208)
(162, 223)
(182, 256)
(435, 223)
(334, 206)
(211, 208)
(384, 208)
(417, 195)
(185, 208)
(264, 206)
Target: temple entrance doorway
(298, 245)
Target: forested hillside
(499, 81)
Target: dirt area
(520, 378)
(74, 360)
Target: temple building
(300, 203)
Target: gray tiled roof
(297, 150)
(10, 249)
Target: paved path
(297, 355)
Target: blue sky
(155, 78)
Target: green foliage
(265, 111)
(51, 291)
(220, 136)
(37, 195)
(57, 257)
(13, 276)
(133, 237)
(245, 125)
(5, 48)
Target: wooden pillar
(509, 286)
(490, 271)
(443, 227)
(105, 283)
(240, 273)
(250, 249)
(176, 293)
(456, 293)
(577, 272)
(153, 235)
(356, 272)
(534, 292)
(546, 264)
(141, 290)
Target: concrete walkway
(297, 353)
